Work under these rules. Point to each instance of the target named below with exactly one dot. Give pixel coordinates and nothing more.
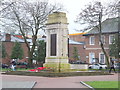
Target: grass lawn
(103, 84)
(102, 69)
(19, 69)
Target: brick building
(92, 51)
(92, 47)
(79, 42)
(80, 49)
(88, 45)
(8, 41)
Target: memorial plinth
(57, 42)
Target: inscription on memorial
(53, 44)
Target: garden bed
(56, 74)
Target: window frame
(100, 58)
(90, 40)
(90, 54)
(110, 38)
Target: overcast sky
(73, 8)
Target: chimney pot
(8, 37)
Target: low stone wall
(78, 66)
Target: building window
(101, 58)
(102, 39)
(111, 38)
(91, 58)
(92, 40)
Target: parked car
(78, 62)
(5, 66)
(98, 66)
(117, 65)
(21, 65)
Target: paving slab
(18, 84)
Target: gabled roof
(18, 36)
(13, 38)
(108, 26)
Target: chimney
(8, 37)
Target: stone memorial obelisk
(57, 42)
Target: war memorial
(57, 42)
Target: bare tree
(93, 15)
(4, 5)
(30, 16)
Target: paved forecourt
(53, 82)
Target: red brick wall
(96, 48)
(78, 38)
(81, 52)
(96, 51)
(6, 60)
(97, 45)
(9, 46)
